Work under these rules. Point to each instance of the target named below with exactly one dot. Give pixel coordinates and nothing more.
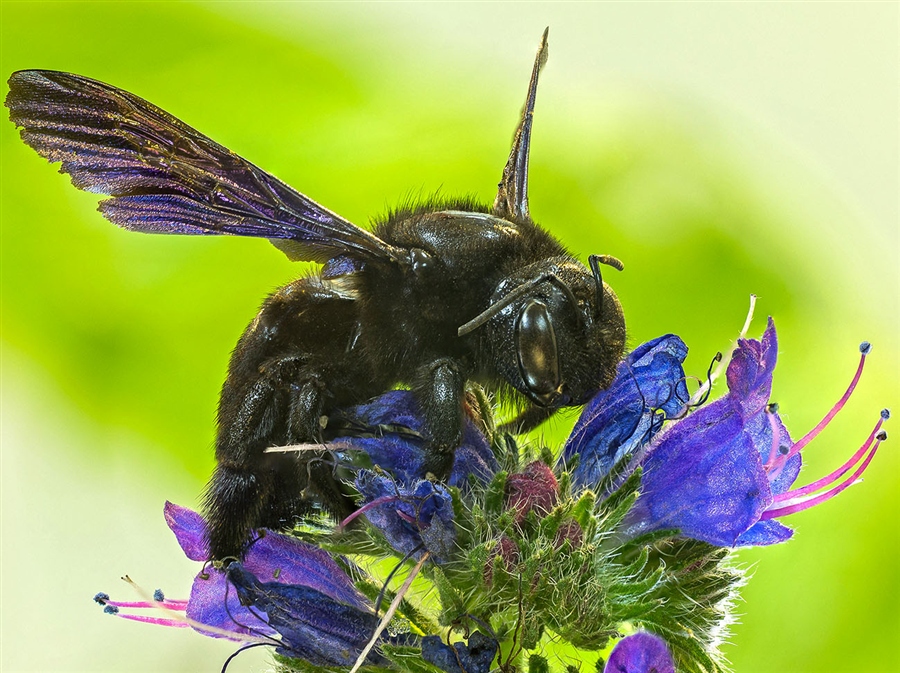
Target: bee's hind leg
(255, 485)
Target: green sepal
(420, 623)
(538, 664)
(494, 495)
(616, 475)
(583, 512)
(646, 540)
(628, 490)
(546, 456)
(637, 588)
(452, 606)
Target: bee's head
(559, 332)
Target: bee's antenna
(595, 261)
(512, 196)
(513, 297)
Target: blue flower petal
(750, 371)
(759, 428)
(703, 477)
(312, 625)
(706, 476)
(475, 656)
(272, 556)
(190, 531)
(214, 602)
(640, 653)
(623, 417)
(291, 561)
(764, 533)
(788, 475)
(403, 453)
(409, 516)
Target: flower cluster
(623, 539)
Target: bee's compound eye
(536, 350)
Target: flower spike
(614, 540)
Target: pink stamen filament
(181, 621)
(175, 608)
(167, 604)
(798, 505)
(369, 505)
(834, 476)
(159, 621)
(808, 437)
(408, 518)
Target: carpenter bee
(439, 294)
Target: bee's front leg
(528, 420)
(440, 389)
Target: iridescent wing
(165, 177)
(512, 196)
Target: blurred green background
(717, 149)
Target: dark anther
(717, 358)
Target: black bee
(439, 294)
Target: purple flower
(414, 514)
(640, 653)
(414, 519)
(649, 387)
(271, 557)
(475, 656)
(248, 603)
(312, 626)
(393, 435)
(723, 473)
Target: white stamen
(389, 615)
(301, 448)
(723, 363)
